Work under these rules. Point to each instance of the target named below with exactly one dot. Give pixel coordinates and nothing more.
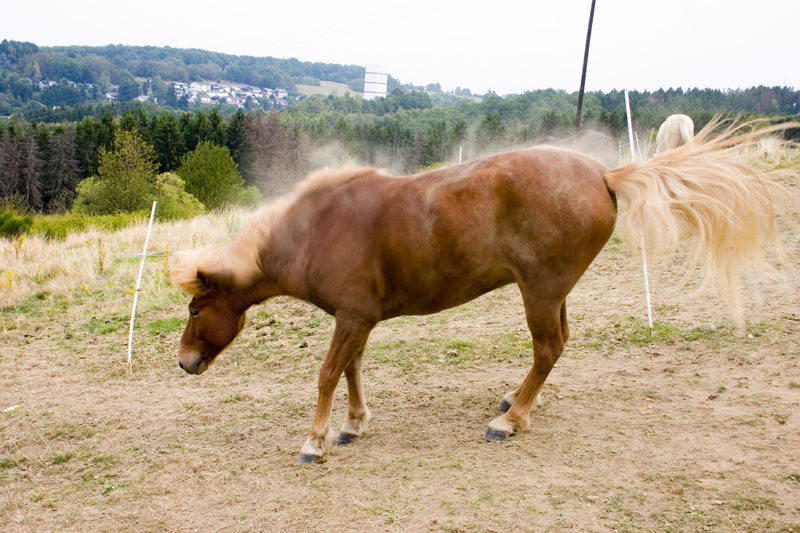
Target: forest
(48, 151)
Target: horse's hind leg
(357, 411)
(349, 338)
(509, 399)
(545, 323)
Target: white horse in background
(675, 131)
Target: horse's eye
(194, 312)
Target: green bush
(12, 224)
(58, 226)
(211, 176)
(15, 203)
(125, 178)
(249, 197)
(173, 203)
(173, 200)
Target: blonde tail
(712, 188)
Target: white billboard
(375, 80)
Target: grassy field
(325, 88)
(696, 428)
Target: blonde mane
(328, 179)
(238, 263)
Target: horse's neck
(260, 291)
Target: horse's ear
(199, 273)
(190, 272)
(207, 283)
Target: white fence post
(644, 255)
(139, 283)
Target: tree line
(42, 165)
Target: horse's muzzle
(192, 364)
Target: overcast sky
(505, 46)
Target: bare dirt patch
(695, 429)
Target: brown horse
(365, 247)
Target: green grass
(100, 327)
(103, 462)
(62, 457)
(165, 325)
(755, 503)
(59, 226)
(408, 353)
(24, 308)
(636, 332)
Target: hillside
(33, 76)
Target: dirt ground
(694, 429)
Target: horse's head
(224, 283)
(216, 312)
(215, 319)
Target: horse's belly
(439, 292)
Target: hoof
(504, 406)
(492, 435)
(345, 438)
(306, 458)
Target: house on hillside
(234, 94)
(197, 88)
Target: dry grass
(95, 260)
(695, 429)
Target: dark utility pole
(583, 74)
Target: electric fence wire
(184, 248)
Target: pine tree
(237, 142)
(9, 162)
(197, 129)
(44, 152)
(62, 172)
(171, 100)
(268, 165)
(297, 164)
(217, 135)
(91, 135)
(30, 171)
(211, 176)
(168, 141)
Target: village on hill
(204, 93)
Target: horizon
(404, 82)
(508, 48)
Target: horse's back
(453, 234)
(428, 242)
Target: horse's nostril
(181, 365)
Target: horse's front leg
(349, 337)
